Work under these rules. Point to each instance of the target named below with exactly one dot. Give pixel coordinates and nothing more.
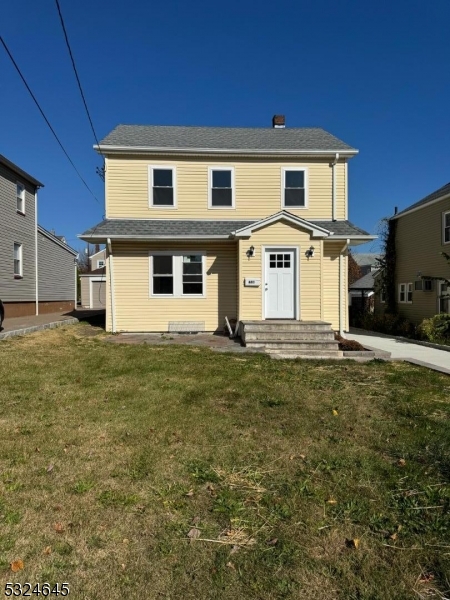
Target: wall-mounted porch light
(310, 252)
(251, 251)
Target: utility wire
(45, 118)
(77, 77)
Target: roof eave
(408, 211)
(96, 237)
(110, 149)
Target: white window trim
(444, 214)
(101, 264)
(233, 193)
(18, 275)
(440, 295)
(407, 288)
(150, 187)
(21, 212)
(177, 273)
(283, 182)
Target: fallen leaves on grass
(59, 527)
(16, 565)
(193, 533)
(352, 543)
(47, 550)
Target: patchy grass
(177, 472)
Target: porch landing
(290, 338)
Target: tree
(354, 270)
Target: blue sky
(373, 74)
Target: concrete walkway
(439, 360)
(23, 325)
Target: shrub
(436, 329)
(385, 323)
(348, 344)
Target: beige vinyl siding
(84, 291)
(136, 310)
(258, 184)
(309, 275)
(331, 253)
(419, 243)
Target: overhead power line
(46, 120)
(78, 79)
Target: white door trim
(296, 250)
(91, 279)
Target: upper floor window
(446, 227)
(221, 187)
(405, 292)
(294, 188)
(20, 192)
(162, 186)
(101, 264)
(18, 263)
(383, 296)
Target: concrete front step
(326, 354)
(283, 335)
(305, 345)
(285, 325)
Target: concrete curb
(34, 328)
(421, 363)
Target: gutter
(111, 285)
(244, 151)
(407, 211)
(333, 186)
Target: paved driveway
(438, 360)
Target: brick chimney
(278, 122)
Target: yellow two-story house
(204, 223)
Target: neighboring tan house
(422, 233)
(37, 269)
(93, 283)
(204, 223)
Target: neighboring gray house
(37, 269)
(367, 262)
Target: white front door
(279, 284)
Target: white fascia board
(409, 211)
(315, 230)
(158, 150)
(355, 240)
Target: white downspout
(36, 248)
(333, 187)
(111, 286)
(341, 291)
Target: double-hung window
(221, 187)
(177, 274)
(446, 227)
(101, 264)
(444, 297)
(20, 192)
(405, 293)
(294, 188)
(162, 187)
(18, 262)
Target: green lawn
(181, 473)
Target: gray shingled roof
(224, 138)
(365, 283)
(341, 227)
(443, 191)
(168, 228)
(366, 259)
